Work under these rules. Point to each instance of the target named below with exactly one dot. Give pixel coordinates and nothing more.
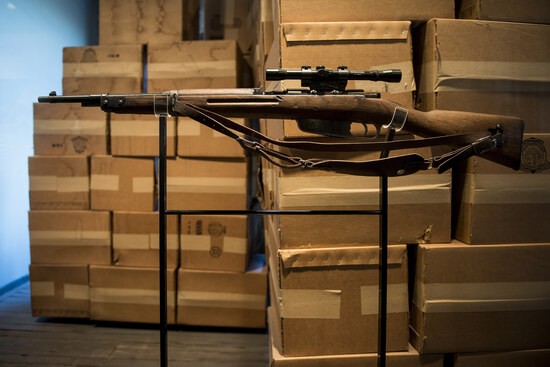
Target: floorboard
(30, 341)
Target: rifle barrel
(86, 100)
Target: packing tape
(346, 31)
(102, 69)
(326, 197)
(143, 241)
(171, 241)
(482, 297)
(188, 127)
(70, 238)
(70, 127)
(310, 303)
(102, 182)
(184, 70)
(76, 291)
(143, 185)
(514, 188)
(494, 305)
(398, 299)
(341, 256)
(59, 184)
(234, 245)
(42, 288)
(129, 296)
(140, 128)
(486, 76)
(216, 299)
(212, 185)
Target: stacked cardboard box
(94, 229)
(484, 297)
(324, 269)
(469, 65)
(66, 237)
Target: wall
(32, 36)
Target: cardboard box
(227, 299)
(481, 298)
(419, 206)
(214, 242)
(193, 64)
(363, 10)
(504, 359)
(123, 22)
(60, 183)
(206, 184)
(136, 239)
(326, 300)
(496, 204)
(530, 11)
(102, 69)
(483, 66)
(409, 358)
(198, 140)
(138, 135)
(68, 129)
(59, 291)
(129, 294)
(70, 237)
(122, 184)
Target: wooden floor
(30, 341)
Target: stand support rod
(163, 301)
(383, 261)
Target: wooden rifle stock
(358, 108)
(252, 103)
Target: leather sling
(473, 144)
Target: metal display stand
(382, 212)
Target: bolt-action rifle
(326, 107)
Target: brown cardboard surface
(504, 359)
(68, 129)
(218, 298)
(102, 69)
(136, 239)
(498, 205)
(409, 358)
(138, 135)
(484, 66)
(363, 10)
(122, 184)
(194, 183)
(218, 243)
(70, 237)
(419, 207)
(527, 11)
(59, 290)
(481, 298)
(129, 294)
(60, 183)
(193, 64)
(123, 22)
(326, 300)
(197, 140)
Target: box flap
(346, 31)
(338, 256)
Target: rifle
(326, 107)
